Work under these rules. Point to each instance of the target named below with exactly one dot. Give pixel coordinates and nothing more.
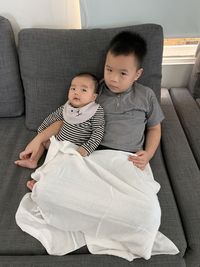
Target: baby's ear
(139, 73)
(95, 96)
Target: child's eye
(123, 73)
(84, 90)
(72, 88)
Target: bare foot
(27, 163)
(30, 184)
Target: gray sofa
(33, 82)
(187, 105)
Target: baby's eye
(84, 90)
(109, 70)
(72, 88)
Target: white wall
(61, 14)
(107, 13)
(179, 18)
(176, 75)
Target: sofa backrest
(49, 59)
(11, 92)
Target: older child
(80, 121)
(132, 112)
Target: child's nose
(114, 77)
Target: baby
(80, 120)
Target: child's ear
(139, 73)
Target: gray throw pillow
(194, 83)
(11, 92)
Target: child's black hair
(93, 77)
(126, 43)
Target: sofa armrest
(198, 101)
(184, 176)
(189, 116)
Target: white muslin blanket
(102, 201)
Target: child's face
(120, 72)
(81, 91)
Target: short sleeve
(155, 114)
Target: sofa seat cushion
(49, 59)
(11, 92)
(13, 187)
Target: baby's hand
(31, 149)
(82, 151)
(140, 159)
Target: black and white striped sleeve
(54, 116)
(98, 124)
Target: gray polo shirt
(127, 115)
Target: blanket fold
(101, 201)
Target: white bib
(74, 115)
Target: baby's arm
(94, 141)
(152, 141)
(36, 147)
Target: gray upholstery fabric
(11, 93)
(14, 242)
(13, 138)
(184, 176)
(89, 261)
(50, 58)
(198, 101)
(194, 82)
(189, 116)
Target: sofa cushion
(50, 58)
(194, 82)
(13, 187)
(13, 241)
(11, 93)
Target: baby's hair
(92, 76)
(126, 43)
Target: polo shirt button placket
(118, 99)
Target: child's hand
(140, 159)
(82, 151)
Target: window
(180, 51)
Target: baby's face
(120, 72)
(81, 91)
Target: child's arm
(33, 147)
(152, 141)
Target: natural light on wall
(73, 14)
(62, 14)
